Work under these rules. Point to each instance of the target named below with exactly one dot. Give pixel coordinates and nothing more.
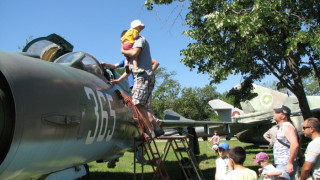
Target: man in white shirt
(311, 166)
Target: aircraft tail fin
(224, 110)
(172, 115)
(266, 100)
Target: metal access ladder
(184, 154)
(149, 146)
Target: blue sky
(94, 26)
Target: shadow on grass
(173, 169)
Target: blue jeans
(283, 168)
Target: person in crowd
(271, 136)
(285, 149)
(311, 166)
(237, 171)
(267, 170)
(222, 162)
(215, 139)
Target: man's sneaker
(158, 132)
(138, 70)
(127, 69)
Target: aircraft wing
(175, 120)
(189, 123)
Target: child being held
(268, 171)
(127, 41)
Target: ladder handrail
(158, 167)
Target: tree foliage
(255, 38)
(193, 103)
(189, 102)
(166, 91)
(311, 85)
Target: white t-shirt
(312, 155)
(269, 169)
(241, 174)
(222, 167)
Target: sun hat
(136, 23)
(260, 157)
(224, 146)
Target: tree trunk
(298, 89)
(304, 106)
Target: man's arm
(266, 136)
(110, 66)
(305, 170)
(132, 53)
(155, 64)
(290, 134)
(269, 174)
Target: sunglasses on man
(305, 127)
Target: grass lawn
(125, 167)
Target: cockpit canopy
(48, 48)
(54, 48)
(83, 61)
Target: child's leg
(126, 65)
(126, 62)
(135, 63)
(136, 69)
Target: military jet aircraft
(257, 114)
(59, 111)
(57, 114)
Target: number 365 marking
(101, 123)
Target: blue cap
(224, 146)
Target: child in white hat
(127, 41)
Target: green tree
(166, 91)
(193, 103)
(254, 38)
(311, 86)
